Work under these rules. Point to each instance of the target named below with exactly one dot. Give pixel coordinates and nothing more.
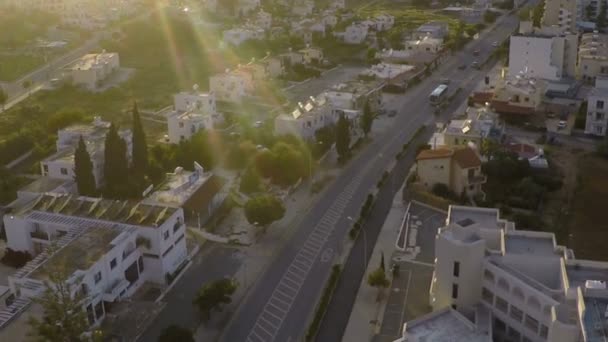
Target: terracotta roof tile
(434, 154)
(466, 158)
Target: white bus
(438, 95)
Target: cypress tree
(140, 146)
(367, 119)
(83, 170)
(342, 137)
(116, 168)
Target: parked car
(445, 81)
(561, 124)
(258, 124)
(462, 67)
(495, 44)
(475, 64)
(476, 53)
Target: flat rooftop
(93, 60)
(593, 318)
(537, 246)
(80, 254)
(45, 184)
(443, 326)
(126, 212)
(466, 216)
(579, 274)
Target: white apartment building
(542, 53)
(238, 36)
(306, 119)
(425, 44)
(92, 69)
(527, 286)
(596, 122)
(355, 34)
(561, 14)
(312, 54)
(231, 86)
(195, 100)
(354, 95)
(387, 71)
(589, 9)
(60, 165)
(592, 56)
(106, 248)
(384, 22)
(182, 126)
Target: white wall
(202, 102)
(537, 55)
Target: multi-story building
(245, 7)
(354, 95)
(231, 86)
(433, 29)
(522, 283)
(521, 94)
(480, 124)
(592, 56)
(92, 69)
(355, 34)
(192, 112)
(588, 10)
(189, 100)
(426, 44)
(238, 36)
(543, 53)
(312, 55)
(457, 167)
(596, 122)
(306, 119)
(561, 14)
(103, 249)
(60, 165)
(302, 8)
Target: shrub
(16, 259)
(325, 298)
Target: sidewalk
(366, 316)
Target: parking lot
(408, 297)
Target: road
(280, 305)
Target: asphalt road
(279, 306)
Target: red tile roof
(466, 158)
(435, 154)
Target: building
(312, 55)
(263, 20)
(182, 126)
(355, 34)
(107, 249)
(354, 95)
(384, 22)
(245, 7)
(60, 165)
(596, 122)
(561, 14)
(588, 10)
(189, 100)
(238, 36)
(302, 8)
(433, 29)
(545, 54)
(387, 71)
(231, 86)
(527, 286)
(425, 44)
(458, 168)
(273, 66)
(92, 69)
(480, 124)
(197, 192)
(592, 56)
(521, 95)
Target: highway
(280, 306)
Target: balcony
(39, 234)
(115, 289)
(477, 179)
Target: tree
(250, 181)
(3, 98)
(589, 12)
(239, 155)
(83, 170)
(63, 119)
(382, 262)
(367, 119)
(140, 147)
(343, 137)
(378, 280)
(63, 316)
(116, 167)
(489, 17)
(26, 84)
(213, 295)
(537, 14)
(601, 16)
(174, 333)
(263, 210)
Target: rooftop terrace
(537, 246)
(442, 326)
(466, 216)
(80, 254)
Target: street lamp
(364, 242)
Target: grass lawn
(14, 66)
(587, 222)
(406, 16)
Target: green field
(12, 67)
(406, 16)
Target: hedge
(322, 306)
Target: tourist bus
(438, 95)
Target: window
(599, 130)
(166, 234)
(64, 171)
(599, 116)
(454, 291)
(97, 277)
(487, 296)
(45, 169)
(514, 334)
(499, 325)
(516, 314)
(599, 104)
(181, 125)
(176, 226)
(113, 263)
(501, 304)
(456, 269)
(544, 331)
(531, 323)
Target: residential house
(458, 168)
(188, 100)
(199, 193)
(306, 28)
(263, 20)
(393, 56)
(60, 165)
(426, 44)
(92, 69)
(182, 126)
(479, 125)
(355, 34)
(291, 58)
(273, 66)
(543, 53)
(107, 249)
(231, 86)
(302, 8)
(354, 95)
(520, 285)
(384, 22)
(329, 19)
(561, 14)
(388, 72)
(596, 122)
(592, 56)
(521, 94)
(433, 29)
(245, 7)
(238, 36)
(312, 55)
(337, 4)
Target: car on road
(561, 124)
(476, 53)
(445, 81)
(258, 124)
(495, 44)
(475, 64)
(462, 67)
(392, 113)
